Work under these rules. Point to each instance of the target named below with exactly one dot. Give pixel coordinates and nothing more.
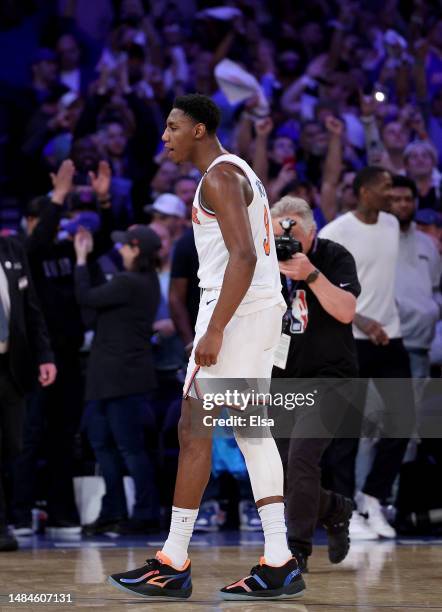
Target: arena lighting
(379, 96)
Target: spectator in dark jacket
(120, 375)
(24, 343)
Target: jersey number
(266, 243)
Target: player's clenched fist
(208, 348)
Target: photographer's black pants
(307, 503)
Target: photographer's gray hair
(290, 205)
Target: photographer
(320, 286)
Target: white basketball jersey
(265, 289)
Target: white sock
(181, 529)
(276, 550)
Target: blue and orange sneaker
(268, 582)
(158, 579)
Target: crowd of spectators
(331, 87)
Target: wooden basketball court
(374, 577)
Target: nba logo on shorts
(299, 313)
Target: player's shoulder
(226, 171)
(223, 178)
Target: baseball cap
(139, 235)
(168, 204)
(428, 216)
(88, 219)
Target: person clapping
(120, 375)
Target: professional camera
(286, 245)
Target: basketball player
(237, 331)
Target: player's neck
(206, 154)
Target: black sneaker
(337, 527)
(136, 527)
(157, 579)
(301, 558)
(7, 541)
(101, 526)
(267, 582)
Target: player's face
(179, 136)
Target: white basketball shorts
(249, 344)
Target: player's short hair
(201, 109)
(289, 205)
(403, 181)
(367, 176)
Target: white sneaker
(249, 519)
(359, 528)
(376, 520)
(22, 530)
(210, 517)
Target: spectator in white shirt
(417, 280)
(372, 237)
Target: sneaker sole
(363, 538)
(298, 592)
(60, 531)
(21, 533)
(160, 596)
(366, 532)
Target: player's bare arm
(228, 193)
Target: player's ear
(200, 131)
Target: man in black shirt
(320, 286)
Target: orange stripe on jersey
(266, 242)
(195, 215)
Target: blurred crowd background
(309, 93)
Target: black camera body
(286, 245)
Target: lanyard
(292, 286)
